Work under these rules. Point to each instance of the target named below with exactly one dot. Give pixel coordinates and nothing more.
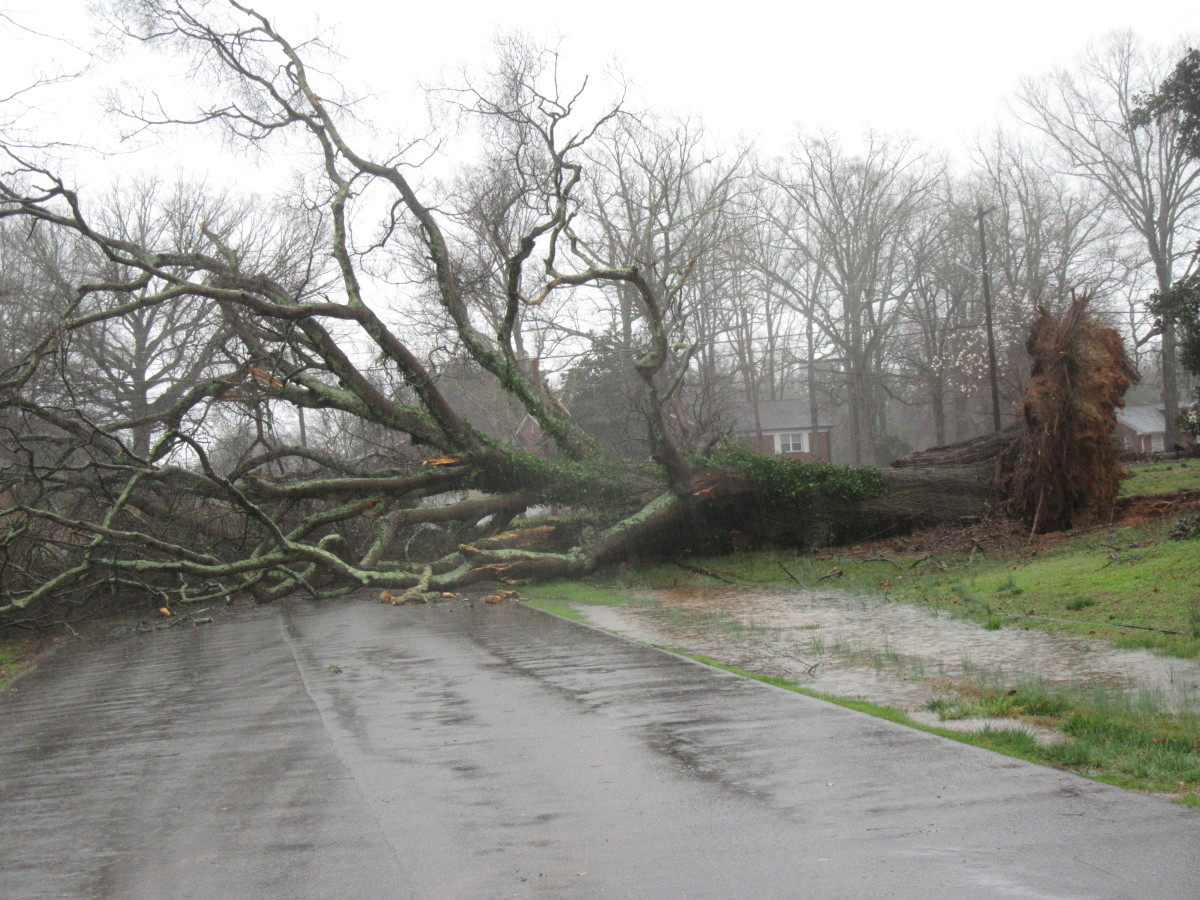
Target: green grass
(1030, 700)
(1165, 477)
(1131, 742)
(8, 663)
(560, 597)
(17, 655)
(1099, 584)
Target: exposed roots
(1064, 471)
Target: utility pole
(986, 276)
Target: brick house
(782, 427)
(1143, 429)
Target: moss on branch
(606, 485)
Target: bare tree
(1146, 173)
(1049, 233)
(861, 218)
(942, 332)
(662, 197)
(793, 279)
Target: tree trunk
(937, 398)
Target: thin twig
(810, 669)
(1093, 624)
(883, 559)
(709, 572)
(929, 557)
(790, 575)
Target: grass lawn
(560, 597)
(1163, 477)
(1115, 584)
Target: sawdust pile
(1064, 469)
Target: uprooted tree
(1064, 468)
(210, 485)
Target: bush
(1186, 528)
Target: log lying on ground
(1056, 469)
(916, 497)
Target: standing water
(892, 653)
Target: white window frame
(792, 438)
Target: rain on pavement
(465, 750)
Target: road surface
(353, 749)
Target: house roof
(1143, 419)
(774, 415)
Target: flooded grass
(1131, 585)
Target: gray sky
(938, 70)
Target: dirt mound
(1135, 510)
(985, 536)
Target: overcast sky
(938, 70)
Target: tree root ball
(1064, 471)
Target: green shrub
(784, 478)
(1186, 528)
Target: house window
(793, 442)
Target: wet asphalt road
(492, 751)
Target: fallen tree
(150, 505)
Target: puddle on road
(892, 653)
